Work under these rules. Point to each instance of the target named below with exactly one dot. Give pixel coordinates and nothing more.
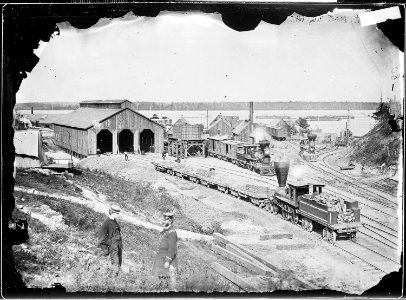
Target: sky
(195, 57)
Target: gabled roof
(274, 122)
(104, 101)
(83, 118)
(218, 121)
(241, 126)
(229, 119)
(181, 121)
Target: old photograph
(195, 150)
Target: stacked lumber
(256, 262)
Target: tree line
(279, 105)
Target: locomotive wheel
(226, 191)
(354, 237)
(304, 223)
(326, 234)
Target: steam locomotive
(255, 157)
(308, 148)
(304, 203)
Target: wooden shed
(243, 131)
(110, 130)
(102, 104)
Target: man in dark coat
(109, 238)
(166, 261)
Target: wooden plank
(234, 278)
(237, 251)
(276, 236)
(274, 265)
(295, 246)
(240, 260)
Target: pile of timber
(246, 258)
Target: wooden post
(136, 141)
(115, 141)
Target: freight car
(255, 157)
(300, 202)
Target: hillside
(380, 147)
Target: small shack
(28, 148)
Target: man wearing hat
(166, 260)
(110, 238)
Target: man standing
(166, 260)
(125, 155)
(109, 238)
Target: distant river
(360, 125)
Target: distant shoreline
(203, 106)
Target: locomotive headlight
(267, 151)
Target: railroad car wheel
(309, 226)
(295, 219)
(354, 237)
(332, 237)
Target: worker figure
(166, 261)
(163, 155)
(109, 239)
(125, 155)
(98, 151)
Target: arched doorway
(147, 141)
(126, 141)
(105, 141)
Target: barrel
(281, 171)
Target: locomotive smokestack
(251, 111)
(281, 170)
(312, 137)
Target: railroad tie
(295, 246)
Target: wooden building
(223, 125)
(243, 131)
(111, 130)
(279, 129)
(101, 104)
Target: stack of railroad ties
(334, 203)
(257, 193)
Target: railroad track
(369, 259)
(349, 183)
(379, 192)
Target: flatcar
(255, 157)
(300, 202)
